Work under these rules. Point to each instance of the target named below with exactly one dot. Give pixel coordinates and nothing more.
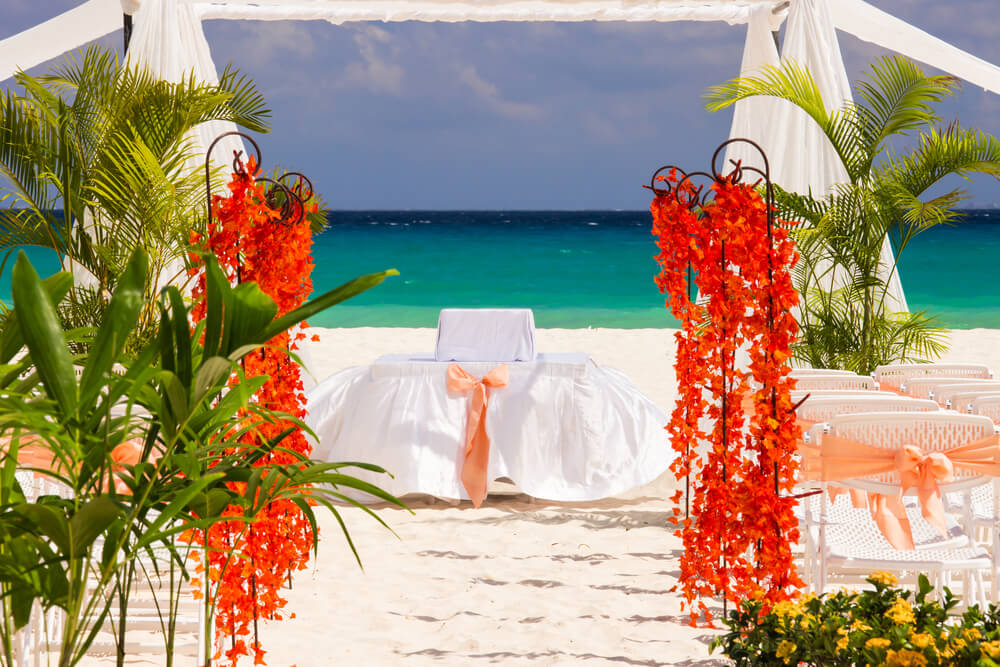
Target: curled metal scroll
(681, 185)
(288, 201)
(694, 196)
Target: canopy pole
(126, 30)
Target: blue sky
(515, 115)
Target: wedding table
(563, 428)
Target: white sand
(512, 583)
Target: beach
(515, 582)
(518, 581)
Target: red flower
(739, 546)
(251, 246)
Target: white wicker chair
(798, 394)
(805, 372)
(852, 545)
(988, 406)
(959, 398)
(836, 381)
(822, 408)
(925, 387)
(897, 375)
(841, 512)
(33, 643)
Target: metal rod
(126, 31)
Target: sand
(515, 582)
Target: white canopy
(169, 39)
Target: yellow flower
(859, 626)
(921, 639)
(806, 621)
(992, 648)
(784, 609)
(900, 612)
(785, 651)
(971, 634)
(842, 643)
(877, 642)
(958, 643)
(884, 578)
(905, 658)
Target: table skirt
(563, 429)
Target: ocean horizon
(578, 269)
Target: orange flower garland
(251, 244)
(738, 534)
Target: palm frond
(898, 98)
(793, 83)
(940, 153)
(247, 105)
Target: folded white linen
(485, 334)
(562, 429)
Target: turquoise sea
(580, 269)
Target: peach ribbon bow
(841, 458)
(477, 442)
(40, 457)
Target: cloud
(374, 72)
(490, 94)
(275, 41)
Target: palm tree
(96, 163)
(846, 314)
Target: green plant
(872, 627)
(177, 409)
(95, 162)
(847, 317)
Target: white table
(562, 429)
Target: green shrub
(872, 627)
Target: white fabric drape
(169, 41)
(750, 115)
(802, 158)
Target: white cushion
(486, 334)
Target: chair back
(987, 406)
(930, 431)
(836, 381)
(926, 386)
(823, 408)
(957, 396)
(802, 372)
(798, 394)
(897, 375)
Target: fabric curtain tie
(477, 442)
(841, 458)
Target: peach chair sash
(40, 457)
(477, 442)
(840, 458)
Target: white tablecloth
(563, 429)
(499, 334)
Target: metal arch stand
(697, 197)
(289, 200)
